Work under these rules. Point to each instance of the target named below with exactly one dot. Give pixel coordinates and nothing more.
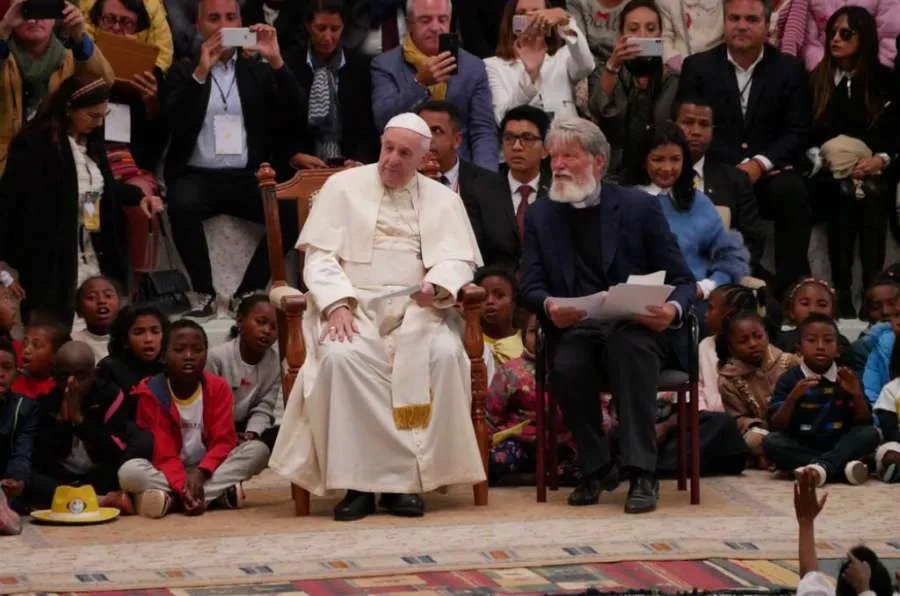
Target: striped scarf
(323, 116)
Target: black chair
(684, 384)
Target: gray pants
(245, 461)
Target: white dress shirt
(745, 84)
(224, 99)
(699, 180)
(514, 190)
(452, 176)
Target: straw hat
(75, 505)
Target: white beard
(569, 191)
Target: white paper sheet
(623, 301)
(651, 279)
(118, 123)
(592, 305)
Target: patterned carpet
(747, 518)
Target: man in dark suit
(285, 15)
(584, 240)
(230, 111)
(416, 72)
(724, 184)
(762, 106)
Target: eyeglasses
(125, 23)
(527, 140)
(845, 33)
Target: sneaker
(10, 522)
(819, 470)
(230, 499)
(205, 309)
(153, 503)
(856, 472)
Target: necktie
(444, 180)
(390, 33)
(523, 191)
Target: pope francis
(382, 403)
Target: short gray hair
(584, 132)
(410, 3)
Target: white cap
(410, 121)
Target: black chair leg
(682, 439)
(695, 445)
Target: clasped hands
(341, 325)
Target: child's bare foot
(117, 500)
(10, 522)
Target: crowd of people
(568, 146)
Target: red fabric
(523, 191)
(33, 387)
(165, 425)
(17, 346)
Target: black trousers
(787, 453)
(783, 199)
(624, 359)
(849, 218)
(200, 194)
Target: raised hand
(807, 505)
(267, 45)
(531, 50)
(437, 69)
(14, 17)
(210, 53)
(73, 21)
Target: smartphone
(650, 46)
(519, 23)
(238, 37)
(449, 42)
(43, 9)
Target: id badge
(90, 212)
(229, 131)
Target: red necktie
(390, 33)
(523, 191)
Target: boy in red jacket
(196, 459)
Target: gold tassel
(414, 416)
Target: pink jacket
(887, 17)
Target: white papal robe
(340, 428)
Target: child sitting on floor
(44, 335)
(498, 318)
(886, 410)
(877, 373)
(818, 416)
(136, 344)
(97, 302)
(511, 411)
(196, 459)
(808, 296)
(879, 302)
(84, 433)
(18, 426)
(252, 369)
(749, 367)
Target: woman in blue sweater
(715, 255)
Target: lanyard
(222, 94)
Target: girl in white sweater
(250, 365)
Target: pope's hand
(340, 325)
(425, 296)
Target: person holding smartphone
(541, 56)
(635, 92)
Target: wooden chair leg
(695, 445)
(552, 443)
(301, 500)
(480, 492)
(541, 438)
(682, 439)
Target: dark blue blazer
(634, 239)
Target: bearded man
(587, 238)
(382, 403)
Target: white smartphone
(238, 37)
(650, 46)
(519, 23)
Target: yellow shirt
(158, 34)
(506, 348)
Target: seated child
(252, 369)
(511, 412)
(84, 435)
(818, 415)
(878, 309)
(877, 373)
(137, 339)
(196, 459)
(498, 318)
(808, 296)
(44, 335)
(886, 410)
(18, 426)
(97, 302)
(749, 367)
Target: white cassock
(391, 410)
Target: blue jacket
(711, 251)
(395, 91)
(634, 239)
(878, 366)
(19, 419)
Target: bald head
(75, 358)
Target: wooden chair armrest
(286, 298)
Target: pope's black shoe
(355, 505)
(402, 505)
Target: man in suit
(416, 72)
(230, 111)
(762, 107)
(725, 185)
(584, 240)
(374, 26)
(285, 15)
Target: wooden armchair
(302, 189)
